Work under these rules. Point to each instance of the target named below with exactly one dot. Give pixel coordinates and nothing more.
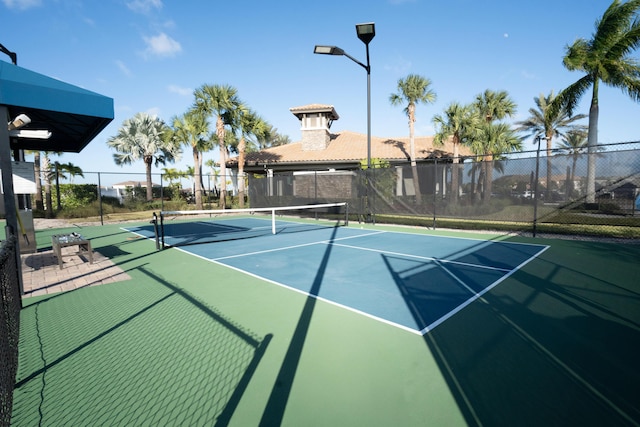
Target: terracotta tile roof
(351, 146)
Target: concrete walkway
(41, 274)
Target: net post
(346, 215)
(161, 230)
(154, 221)
(273, 221)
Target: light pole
(12, 55)
(366, 32)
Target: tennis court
(337, 326)
(411, 281)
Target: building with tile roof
(319, 149)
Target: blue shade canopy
(73, 115)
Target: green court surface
(192, 342)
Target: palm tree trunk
(592, 143)
(147, 163)
(487, 188)
(223, 162)
(412, 155)
(547, 194)
(36, 169)
(455, 172)
(48, 199)
(472, 193)
(573, 174)
(197, 179)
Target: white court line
(308, 294)
(400, 254)
(477, 295)
(284, 248)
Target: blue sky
(150, 55)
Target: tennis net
(180, 228)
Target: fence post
(435, 190)
(161, 194)
(373, 196)
(100, 199)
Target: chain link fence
(533, 192)
(9, 325)
(536, 191)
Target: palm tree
(59, 173)
(49, 174)
(219, 101)
(606, 58)
(171, 175)
(412, 90)
(37, 173)
(249, 126)
(493, 140)
(69, 168)
(457, 123)
(490, 106)
(549, 122)
(272, 139)
(215, 173)
(192, 129)
(144, 137)
(574, 144)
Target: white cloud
(162, 45)
(144, 6)
(183, 91)
(125, 70)
(21, 4)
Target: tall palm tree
(549, 122)
(192, 129)
(491, 106)
(458, 123)
(605, 58)
(412, 90)
(218, 101)
(143, 137)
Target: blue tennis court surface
(412, 281)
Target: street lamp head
(366, 32)
(328, 50)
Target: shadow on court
(153, 355)
(281, 390)
(555, 344)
